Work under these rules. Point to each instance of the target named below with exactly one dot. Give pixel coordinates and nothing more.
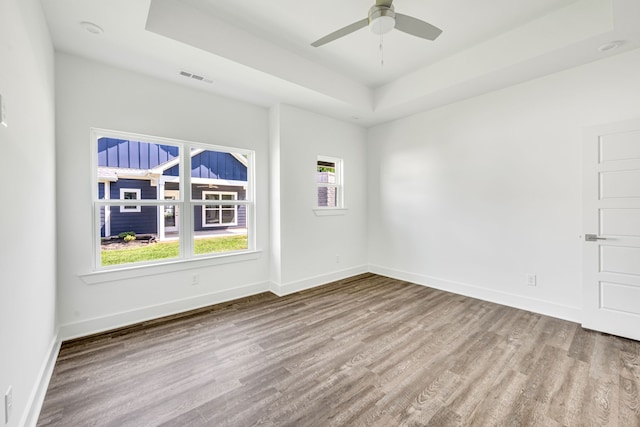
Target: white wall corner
(39, 391)
(275, 229)
(312, 282)
(547, 308)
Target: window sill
(132, 272)
(330, 211)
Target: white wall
(473, 196)
(309, 244)
(90, 94)
(27, 255)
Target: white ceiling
(260, 51)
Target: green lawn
(164, 250)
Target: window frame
(338, 185)
(128, 208)
(185, 203)
(220, 208)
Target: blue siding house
(137, 170)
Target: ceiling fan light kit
(381, 19)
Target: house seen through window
(191, 200)
(329, 182)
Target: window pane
(326, 172)
(102, 186)
(228, 216)
(103, 216)
(133, 237)
(136, 166)
(212, 215)
(217, 172)
(229, 233)
(327, 197)
(170, 216)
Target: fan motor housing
(382, 19)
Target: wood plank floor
(368, 351)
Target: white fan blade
(341, 32)
(416, 27)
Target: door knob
(593, 237)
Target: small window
(130, 194)
(329, 182)
(219, 215)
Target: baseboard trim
(36, 399)
(311, 282)
(127, 318)
(123, 319)
(572, 314)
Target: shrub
(128, 238)
(127, 233)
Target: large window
(329, 181)
(159, 200)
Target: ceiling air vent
(195, 77)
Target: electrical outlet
(8, 404)
(195, 279)
(531, 279)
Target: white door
(611, 229)
(171, 212)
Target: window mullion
(186, 234)
(250, 220)
(96, 221)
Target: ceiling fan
(382, 19)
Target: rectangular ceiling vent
(195, 77)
